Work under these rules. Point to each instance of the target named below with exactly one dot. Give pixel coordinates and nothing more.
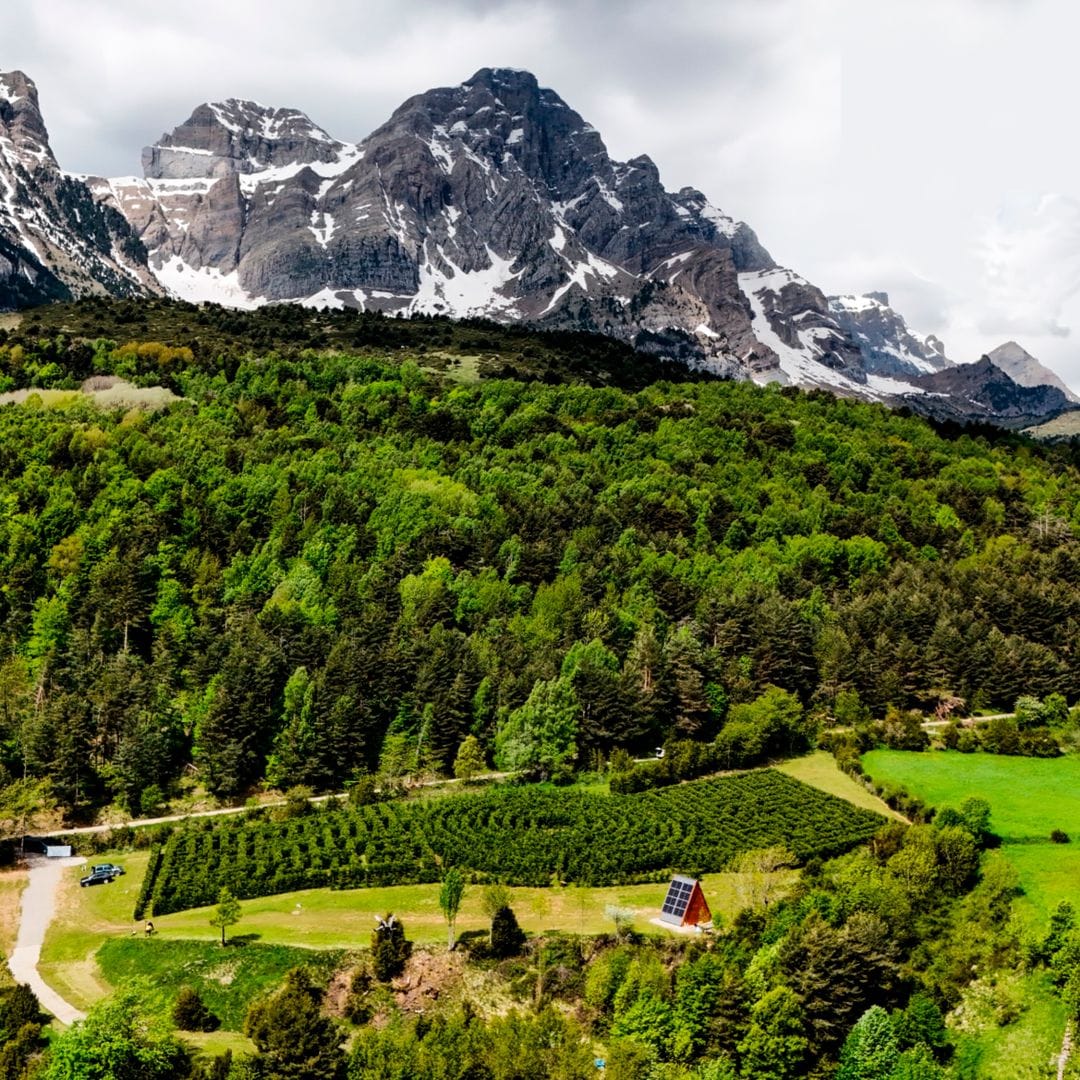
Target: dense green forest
(327, 560)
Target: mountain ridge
(492, 198)
(56, 239)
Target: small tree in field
(470, 760)
(453, 889)
(494, 897)
(507, 937)
(389, 948)
(227, 913)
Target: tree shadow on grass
(240, 940)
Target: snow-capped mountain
(493, 198)
(888, 347)
(56, 239)
(1025, 370)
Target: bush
(507, 937)
(189, 1013)
(297, 802)
(389, 949)
(1059, 836)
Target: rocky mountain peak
(237, 136)
(23, 137)
(889, 347)
(1025, 370)
(56, 240)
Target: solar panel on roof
(678, 898)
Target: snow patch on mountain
(465, 293)
(889, 347)
(205, 285)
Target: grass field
(11, 887)
(226, 978)
(1025, 1049)
(819, 770)
(329, 919)
(1028, 797)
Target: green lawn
(325, 918)
(227, 979)
(1029, 797)
(819, 770)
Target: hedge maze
(519, 835)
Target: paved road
(35, 914)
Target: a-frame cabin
(685, 904)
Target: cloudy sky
(924, 147)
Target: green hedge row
(520, 835)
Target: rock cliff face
(493, 198)
(56, 239)
(887, 346)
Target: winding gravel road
(35, 914)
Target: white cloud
(1031, 259)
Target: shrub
(507, 937)
(189, 1013)
(1059, 836)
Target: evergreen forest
(333, 554)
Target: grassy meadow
(1028, 797)
(819, 770)
(313, 919)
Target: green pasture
(1028, 797)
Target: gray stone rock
(887, 345)
(56, 239)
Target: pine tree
(507, 937)
(294, 1039)
(684, 657)
(469, 762)
(389, 948)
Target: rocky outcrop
(1024, 369)
(886, 344)
(237, 137)
(56, 238)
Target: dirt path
(1066, 1050)
(134, 823)
(35, 914)
(969, 721)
